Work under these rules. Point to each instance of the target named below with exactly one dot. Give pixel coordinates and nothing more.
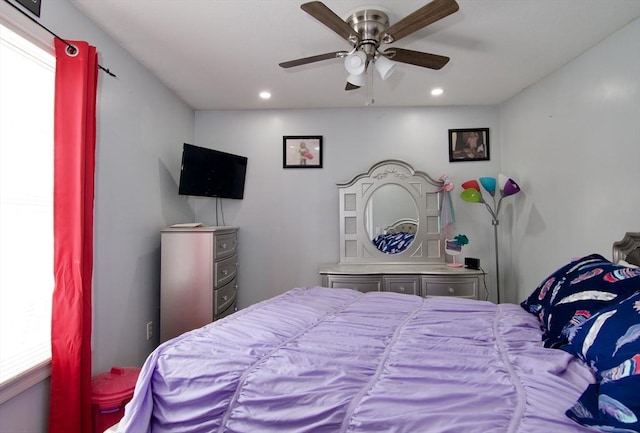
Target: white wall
(573, 140)
(141, 126)
(289, 217)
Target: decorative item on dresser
(391, 238)
(453, 248)
(198, 276)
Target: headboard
(403, 225)
(628, 249)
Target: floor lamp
(472, 193)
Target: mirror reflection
(391, 218)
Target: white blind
(27, 76)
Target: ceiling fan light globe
(356, 79)
(355, 63)
(385, 67)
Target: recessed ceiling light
(437, 91)
(265, 95)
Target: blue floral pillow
(609, 342)
(576, 292)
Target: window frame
(23, 26)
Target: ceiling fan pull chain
(370, 90)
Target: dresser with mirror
(391, 237)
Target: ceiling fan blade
(428, 14)
(326, 16)
(350, 86)
(418, 58)
(319, 57)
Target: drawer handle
(225, 297)
(452, 290)
(225, 272)
(401, 289)
(224, 246)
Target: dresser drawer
(407, 284)
(443, 286)
(230, 310)
(362, 283)
(224, 297)
(224, 246)
(225, 271)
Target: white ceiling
(219, 54)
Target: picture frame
(470, 144)
(302, 151)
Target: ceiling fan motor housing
(369, 24)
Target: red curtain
(74, 162)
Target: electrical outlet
(149, 330)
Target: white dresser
(391, 237)
(423, 280)
(198, 277)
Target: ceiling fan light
(385, 67)
(355, 63)
(356, 79)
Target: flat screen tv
(211, 173)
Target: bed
(397, 236)
(338, 360)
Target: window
(27, 79)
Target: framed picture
(469, 144)
(302, 151)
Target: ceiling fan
(367, 29)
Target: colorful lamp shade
(508, 186)
(489, 184)
(472, 194)
(471, 184)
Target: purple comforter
(337, 360)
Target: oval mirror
(391, 218)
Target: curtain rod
(56, 36)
